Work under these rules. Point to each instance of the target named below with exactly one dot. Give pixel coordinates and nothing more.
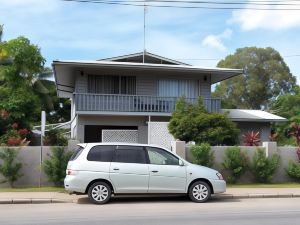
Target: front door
(166, 175)
(129, 170)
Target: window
(161, 157)
(130, 154)
(76, 154)
(101, 153)
(111, 84)
(177, 88)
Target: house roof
(247, 115)
(65, 70)
(148, 58)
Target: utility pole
(144, 50)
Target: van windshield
(76, 153)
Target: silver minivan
(103, 169)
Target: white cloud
(216, 41)
(266, 19)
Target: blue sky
(68, 30)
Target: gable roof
(148, 58)
(248, 115)
(64, 71)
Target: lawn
(34, 189)
(288, 185)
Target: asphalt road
(143, 211)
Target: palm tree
(1, 32)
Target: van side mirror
(181, 163)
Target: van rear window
(76, 154)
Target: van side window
(101, 153)
(130, 154)
(161, 157)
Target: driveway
(144, 211)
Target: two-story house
(125, 93)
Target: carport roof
(247, 115)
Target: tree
(57, 109)
(56, 166)
(287, 106)
(266, 76)
(191, 122)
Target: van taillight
(71, 172)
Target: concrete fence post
(178, 147)
(270, 148)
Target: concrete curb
(243, 196)
(220, 196)
(35, 201)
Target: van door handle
(116, 169)
(154, 171)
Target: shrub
(263, 167)
(9, 168)
(293, 171)
(202, 155)
(55, 167)
(191, 122)
(235, 162)
(55, 137)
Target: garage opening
(93, 133)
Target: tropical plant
(251, 138)
(9, 168)
(202, 154)
(235, 162)
(55, 167)
(191, 122)
(263, 167)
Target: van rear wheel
(199, 192)
(99, 193)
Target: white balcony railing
(135, 103)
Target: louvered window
(107, 84)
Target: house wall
(140, 121)
(263, 128)
(147, 83)
(81, 83)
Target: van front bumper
(219, 186)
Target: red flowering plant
(295, 132)
(15, 136)
(251, 138)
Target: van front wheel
(199, 192)
(99, 193)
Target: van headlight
(219, 176)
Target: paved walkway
(56, 197)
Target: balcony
(135, 103)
